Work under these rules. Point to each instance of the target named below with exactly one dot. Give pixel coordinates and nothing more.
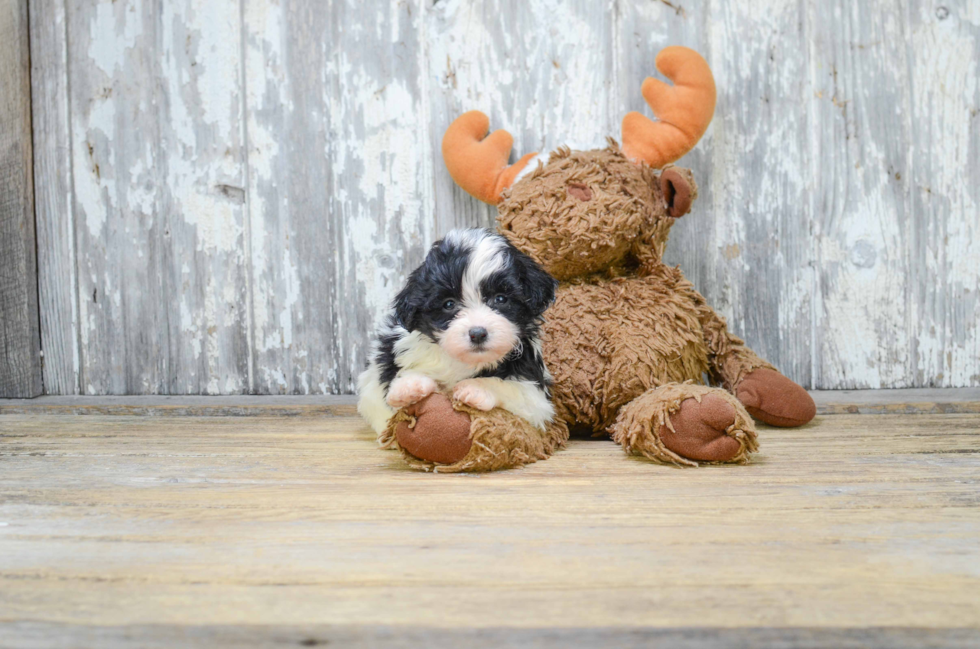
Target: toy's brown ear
(684, 110)
(478, 164)
(679, 190)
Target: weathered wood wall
(229, 193)
(20, 342)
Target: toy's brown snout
(677, 192)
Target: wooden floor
(856, 530)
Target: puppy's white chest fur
(416, 353)
(420, 360)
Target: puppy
(468, 321)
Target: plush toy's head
(586, 211)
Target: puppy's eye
(449, 305)
(500, 299)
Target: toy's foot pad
(437, 432)
(771, 397)
(700, 430)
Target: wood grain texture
(860, 102)
(944, 189)
(853, 521)
(211, 406)
(54, 199)
(20, 344)
(280, 174)
(158, 164)
(340, 181)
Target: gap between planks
(829, 402)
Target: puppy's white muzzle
(479, 336)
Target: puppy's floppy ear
(539, 287)
(407, 306)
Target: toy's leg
(767, 395)
(683, 423)
(439, 434)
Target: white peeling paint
(114, 32)
(803, 236)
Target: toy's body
(611, 371)
(629, 340)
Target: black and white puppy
(468, 321)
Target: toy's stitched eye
(579, 191)
(449, 305)
(500, 299)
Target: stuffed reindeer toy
(635, 351)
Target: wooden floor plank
(301, 525)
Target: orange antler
(478, 164)
(684, 109)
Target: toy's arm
(765, 393)
(731, 360)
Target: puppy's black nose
(478, 335)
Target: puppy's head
(476, 295)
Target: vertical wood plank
(861, 156)
(541, 72)
(340, 181)
(762, 242)
(944, 316)
(54, 197)
(159, 176)
(20, 347)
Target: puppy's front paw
(474, 395)
(406, 390)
